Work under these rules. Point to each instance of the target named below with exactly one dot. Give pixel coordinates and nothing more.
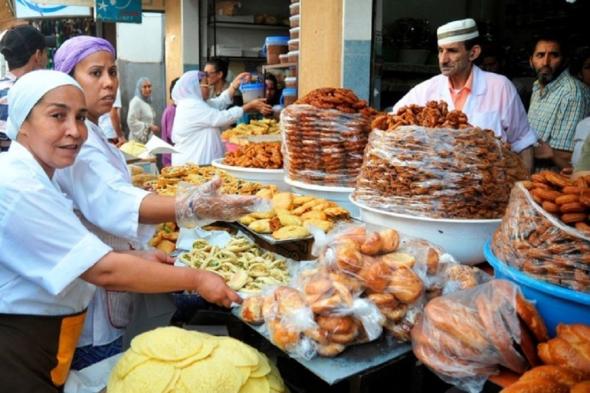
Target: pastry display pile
(466, 336)
(256, 155)
(244, 266)
(323, 143)
(456, 173)
(539, 243)
(292, 215)
(238, 135)
(170, 359)
(363, 282)
(567, 364)
(169, 178)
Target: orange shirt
(460, 96)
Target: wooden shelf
(278, 66)
(250, 26)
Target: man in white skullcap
(489, 100)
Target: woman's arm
(124, 272)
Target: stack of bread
(539, 243)
(363, 282)
(324, 136)
(429, 162)
(567, 364)
(466, 336)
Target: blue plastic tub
(555, 304)
(252, 91)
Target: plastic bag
(323, 146)
(395, 272)
(465, 336)
(204, 204)
(539, 244)
(438, 172)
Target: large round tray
(258, 175)
(339, 195)
(463, 239)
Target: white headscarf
(188, 87)
(26, 93)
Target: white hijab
(28, 91)
(188, 87)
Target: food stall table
(355, 363)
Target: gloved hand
(204, 204)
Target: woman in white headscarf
(141, 114)
(49, 262)
(113, 209)
(196, 132)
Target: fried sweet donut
(405, 285)
(394, 314)
(432, 260)
(348, 256)
(372, 244)
(316, 288)
(539, 385)
(376, 275)
(498, 334)
(282, 335)
(340, 329)
(531, 317)
(563, 375)
(326, 304)
(457, 320)
(398, 259)
(252, 310)
(389, 240)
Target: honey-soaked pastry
(290, 232)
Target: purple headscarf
(76, 49)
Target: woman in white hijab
(196, 132)
(141, 115)
(49, 262)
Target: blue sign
(122, 11)
(30, 9)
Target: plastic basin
(555, 304)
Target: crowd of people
(71, 221)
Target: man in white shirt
(110, 123)
(489, 100)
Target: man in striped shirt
(24, 49)
(558, 103)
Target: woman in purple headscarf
(100, 186)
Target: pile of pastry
(292, 215)
(343, 100)
(239, 134)
(466, 336)
(563, 197)
(364, 282)
(567, 359)
(256, 155)
(536, 242)
(433, 115)
(324, 146)
(167, 182)
(438, 172)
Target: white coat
(197, 125)
(492, 104)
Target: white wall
(143, 42)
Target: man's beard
(545, 75)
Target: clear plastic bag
(464, 337)
(438, 172)
(323, 146)
(204, 204)
(395, 272)
(536, 242)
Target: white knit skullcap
(457, 31)
(27, 91)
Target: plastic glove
(204, 204)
